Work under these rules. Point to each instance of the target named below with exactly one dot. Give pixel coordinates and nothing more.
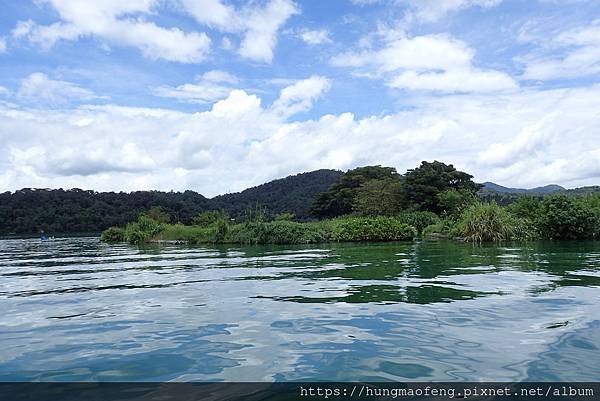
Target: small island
(375, 203)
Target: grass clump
(113, 235)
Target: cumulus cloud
(259, 25)
(120, 23)
(211, 86)
(428, 62)
(300, 96)
(570, 54)
(239, 142)
(315, 37)
(38, 87)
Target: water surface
(77, 310)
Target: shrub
(372, 229)
(567, 218)
(418, 219)
(144, 229)
(206, 219)
(135, 235)
(527, 207)
(113, 235)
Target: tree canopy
(340, 198)
(423, 184)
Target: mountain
(292, 194)
(78, 211)
(548, 189)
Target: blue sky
(216, 95)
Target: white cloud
(433, 10)
(2, 45)
(219, 76)
(123, 148)
(316, 37)
(120, 23)
(4, 91)
(569, 54)
(38, 87)
(300, 96)
(259, 25)
(428, 62)
(211, 86)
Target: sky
(217, 96)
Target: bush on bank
(113, 235)
(346, 229)
(529, 218)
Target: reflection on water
(76, 309)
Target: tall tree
(379, 198)
(423, 184)
(339, 199)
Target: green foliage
(339, 199)
(380, 228)
(156, 213)
(294, 194)
(144, 229)
(26, 211)
(285, 217)
(564, 217)
(113, 235)
(454, 201)
(418, 219)
(255, 214)
(486, 222)
(277, 232)
(527, 207)
(209, 218)
(189, 234)
(489, 222)
(379, 197)
(423, 184)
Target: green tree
(156, 213)
(379, 198)
(339, 199)
(454, 201)
(423, 184)
(564, 217)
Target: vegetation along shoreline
(375, 203)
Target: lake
(75, 309)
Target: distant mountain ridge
(547, 189)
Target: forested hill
(293, 194)
(77, 211)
